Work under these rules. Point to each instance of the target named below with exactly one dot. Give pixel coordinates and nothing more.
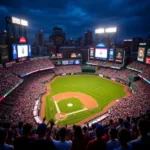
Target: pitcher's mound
(61, 116)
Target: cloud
(77, 16)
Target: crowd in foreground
(123, 135)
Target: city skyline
(76, 17)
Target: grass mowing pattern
(77, 105)
(102, 90)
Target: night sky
(132, 17)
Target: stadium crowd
(142, 67)
(20, 103)
(121, 135)
(67, 69)
(7, 81)
(19, 131)
(31, 66)
(123, 74)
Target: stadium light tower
(111, 30)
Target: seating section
(123, 74)
(31, 66)
(67, 69)
(20, 103)
(142, 67)
(7, 81)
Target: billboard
(119, 55)
(70, 62)
(91, 53)
(111, 54)
(101, 53)
(141, 54)
(148, 52)
(59, 55)
(22, 50)
(29, 51)
(4, 53)
(147, 60)
(73, 55)
(14, 51)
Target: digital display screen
(141, 53)
(73, 55)
(70, 62)
(119, 55)
(59, 55)
(14, 51)
(148, 52)
(91, 53)
(147, 60)
(111, 55)
(101, 53)
(29, 51)
(22, 51)
(65, 62)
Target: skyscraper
(40, 38)
(88, 38)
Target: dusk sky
(132, 17)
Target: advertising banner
(141, 54)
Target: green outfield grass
(102, 90)
(76, 105)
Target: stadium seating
(7, 81)
(67, 69)
(123, 74)
(31, 66)
(19, 105)
(145, 69)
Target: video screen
(78, 55)
(73, 55)
(22, 51)
(148, 52)
(59, 55)
(14, 51)
(111, 54)
(101, 53)
(91, 53)
(119, 55)
(53, 56)
(65, 62)
(141, 53)
(30, 50)
(147, 60)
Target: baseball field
(73, 99)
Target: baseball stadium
(100, 86)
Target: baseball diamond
(88, 94)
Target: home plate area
(70, 103)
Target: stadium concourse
(19, 95)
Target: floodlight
(16, 20)
(111, 30)
(99, 31)
(24, 22)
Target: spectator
(92, 132)
(124, 138)
(98, 143)
(120, 120)
(62, 144)
(42, 142)
(22, 142)
(20, 125)
(113, 143)
(79, 140)
(143, 141)
(3, 138)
